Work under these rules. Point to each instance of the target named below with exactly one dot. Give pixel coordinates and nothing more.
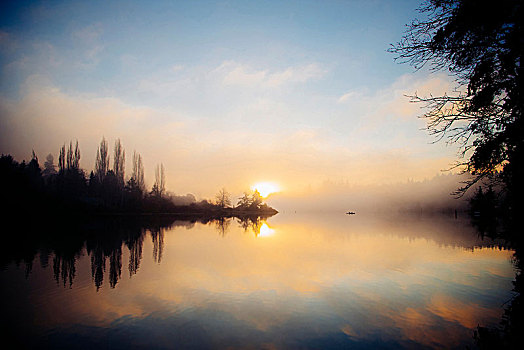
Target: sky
(223, 93)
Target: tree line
(28, 186)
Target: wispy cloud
(234, 73)
(373, 108)
(45, 117)
(348, 96)
(176, 68)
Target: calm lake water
(295, 281)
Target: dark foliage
(69, 192)
(480, 42)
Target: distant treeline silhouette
(29, 188)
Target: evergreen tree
(49, 166)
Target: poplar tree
(102, 161)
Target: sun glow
(265, 188)
(266, 231)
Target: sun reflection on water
(266, 231)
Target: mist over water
(432, 195)
(293, 281)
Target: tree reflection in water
(157, 235)
(134, 244)
(509, 334)
(253, 223)
(103, 240)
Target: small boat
(351, 213)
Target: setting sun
(265, 188)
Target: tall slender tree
(137, 175)
(119, 160)
(76, 157)
(159, 187)
(102, 161)
(70, 156)
(62, 159)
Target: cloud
(176, 68)
(234, 73)
(393, 100)
(299, 74)
(385, 118)
(236, 151)
(348, 96)
(237, 74)
(45, 117)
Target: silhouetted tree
(119, 160)
(138, 172)
(223, 198)
(135, 186)
(73, 157)
(69, 192)
(483, 206)
(49, 166)
(62, 159)
(70, 183)
(256, 200)
(245, 201)
(94, 185)
(102, 161)
(481, 43)
(111, 191)
(159, 186)
(76, 157)
(33, 168)
(70, 155)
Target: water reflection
(325, 282)
(157, 237)
(103, 240)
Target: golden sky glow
(244, 110)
